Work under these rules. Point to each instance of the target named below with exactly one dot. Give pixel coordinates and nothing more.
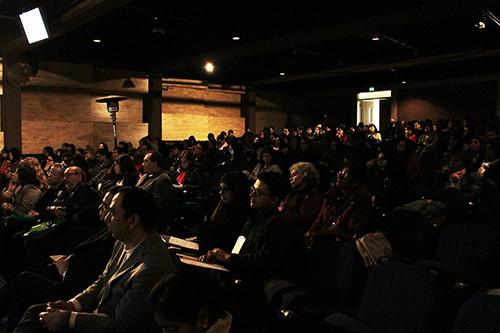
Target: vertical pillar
(248, 109)
(498, 98)
(11, 109)
(152, 107)
(394, 105)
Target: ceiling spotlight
(96, 40)
(403, 82)
(282, 74)
(486, 15)
(375, 37)
(236, 38)
(209, 67)
(481, 23)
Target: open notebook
(179, 242)
(193, 261)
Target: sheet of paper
(175, 241)
(56, 257)
(188, 261)
(238, 245)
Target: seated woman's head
(189, 302)
(235, 187)
(304, 174)
(187, 159)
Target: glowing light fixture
(375, 38)
(282, 74)
(34, 26)
(96, 40)
(236, 38)
(403, 82)
(209, 67)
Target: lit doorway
(374, 108)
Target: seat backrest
(480, 314)
(465, 246)
(411, 235)
(351, 277)
(401, 298)
(323, 258)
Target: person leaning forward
(118, 300)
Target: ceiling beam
(366, 26)
(84, 12)
(437, 59)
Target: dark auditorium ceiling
(319, 45)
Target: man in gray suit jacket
(118, 300)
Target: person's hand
(8, 207)
(215, 255)
(62, 305)
(62, 265)
(59, 212)
(32, 213)
(55, 319)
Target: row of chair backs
(397, 298)
(480, 314)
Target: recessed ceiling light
(96, 40)
(375, 38)
(209, 67)
(236, 38)
(282, 74)
(403, 82)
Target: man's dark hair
(158, 159)
(278, 184)
(137, 201)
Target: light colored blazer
(118, 300)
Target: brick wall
(51, 118)
(198, 110)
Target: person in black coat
(231, 213)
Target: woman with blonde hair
(303, 203)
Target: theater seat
(398, 298)
(480, 314)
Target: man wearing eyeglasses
(269, 246)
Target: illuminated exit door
(374, 108)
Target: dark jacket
(274, 248)
(223, 229)
(301, 206)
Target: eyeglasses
(258, 193)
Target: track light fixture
(482, 23)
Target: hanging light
(128, 83)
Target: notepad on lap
(188, 260)
(179, 242)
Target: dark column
(248, 107)
(152, 107)
(498, 98)
(11, 109)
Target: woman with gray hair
(303, 203)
